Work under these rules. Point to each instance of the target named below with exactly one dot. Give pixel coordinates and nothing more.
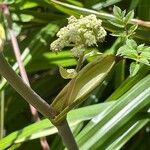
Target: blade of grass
(45, 128)
(107, 124)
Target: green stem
(23, 89)
(66, 135)
(35, 100)
(80, 62)
(2, 115)
(72, 82)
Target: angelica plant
(78, 88)
(79, 34)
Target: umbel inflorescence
(79, 33)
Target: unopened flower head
(81, 33)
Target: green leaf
(127, 52)
(45, 128)
(145, 55)
(46, 60)
(129, 83)
(117, 12)
(107, 123)
(144, 61)
(84, 83)
(67, 73)
(131, 44)
(128, 17)
(130, 130)
(146, 49)
(132, 29)
(134, 68)
(117, 23)
(107, 3)
(140, 48)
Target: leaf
(120, 33)
(117, 23)
(130, 130)
(134, 68)
(92, 54)
(45, 128)
(107, 3)
(131, 44)
(146, 49)
(132, 29)
(85, 82)
(144, 61)
(145, 55)
(140, 48)
(107, 123)
(134, 4)
(129, 83)
(117, 12)
(46, 60)
(127, 52)
(67, 73)
(142, 33)
(128, 17)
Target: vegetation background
(36, 23)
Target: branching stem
(23, 73)
(34, 99)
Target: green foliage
(139, 53)
(78, 89)
(67, 73)
(122, 20)
(45, 128)
(104, 125)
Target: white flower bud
(83, 32)
(78, 51)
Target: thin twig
(23, 73)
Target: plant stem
(34, 99)
(102, 15)
(66, 135)
(79, 63)
(2, 115)
(16, 49)
(23, 89)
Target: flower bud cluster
(81, 33)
